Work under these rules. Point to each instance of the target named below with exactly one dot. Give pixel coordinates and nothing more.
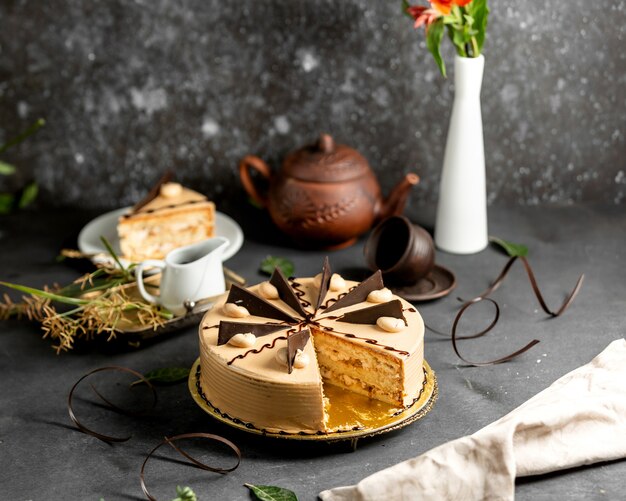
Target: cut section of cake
(266, 352)
(172, 216)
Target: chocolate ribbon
(167, 440)
(484, 297)
(170, 441)
(100, 436)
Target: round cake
(267, 351)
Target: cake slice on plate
(171, 216)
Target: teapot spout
(395, 202)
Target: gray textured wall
(130, 88)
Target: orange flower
(444, 6)
(438, 8)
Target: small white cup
(189, 274)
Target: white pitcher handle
(139, 275)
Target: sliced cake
(171, 217)
(266, 352)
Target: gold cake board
(374, 423)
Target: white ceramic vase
(461, 224)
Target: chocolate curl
(107, 438)
(533, 282)
(198, 464)
(484, 331)
(493, 287)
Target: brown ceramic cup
(404, 252)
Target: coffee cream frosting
(251, 384)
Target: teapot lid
(325, 162)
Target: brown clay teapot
(325, 194)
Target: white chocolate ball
(337, 283)
(391, 324)
(268, 291)
(301, 360)
(235, 311)
(380, 296)
(243, 340)
(171, 190)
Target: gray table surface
(43, 457)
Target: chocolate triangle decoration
(297, 341)
(230, 329)
(154, 191)
(324, 284)
(360, 293)
(256, 305)
(285, 292)
(373, 313)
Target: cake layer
(252, 385)
(152, 237)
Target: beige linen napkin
(580, 419)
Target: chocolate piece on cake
(297, 341)
(229, 329)
(256, 305)
(371, 314)
(324, 283)
(359, 293)
(285, 292)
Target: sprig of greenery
(185, 494)
(97, 302)
(270, 262)
(20, 137)
(9, 201)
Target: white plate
(106, 226)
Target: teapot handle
(250, 161)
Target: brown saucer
(438, 283)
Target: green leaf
(459, 39)
(185, 494)
(434, 34)
(7, 201)
(271, 262)
(512, 249)
(6, 169)
(29, 194)
(165, 375)
(272, 493)
(479, 10)
(405, 7)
